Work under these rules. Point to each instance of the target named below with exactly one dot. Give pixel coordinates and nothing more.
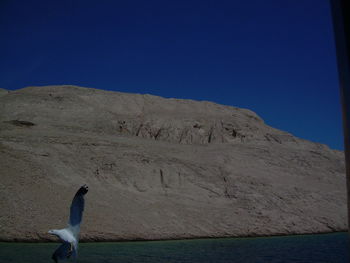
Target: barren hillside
(158, 169)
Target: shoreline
(106, 240)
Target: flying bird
(70, 236)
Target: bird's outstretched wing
(64, 251)
(76, 210)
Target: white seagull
(70, 236)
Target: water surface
(327, 248)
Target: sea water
(328, 248)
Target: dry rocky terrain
(158, 169)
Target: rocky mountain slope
(158, 169)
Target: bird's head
(52, 232)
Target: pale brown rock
(158, 169)
(3, 92)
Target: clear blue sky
(274, 57)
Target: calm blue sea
(328, 248)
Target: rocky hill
(158, 169)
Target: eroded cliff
(158, 169)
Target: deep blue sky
(274, 57)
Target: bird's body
(70, 236)
(65, 235)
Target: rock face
(3, 92)
(158, 169)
